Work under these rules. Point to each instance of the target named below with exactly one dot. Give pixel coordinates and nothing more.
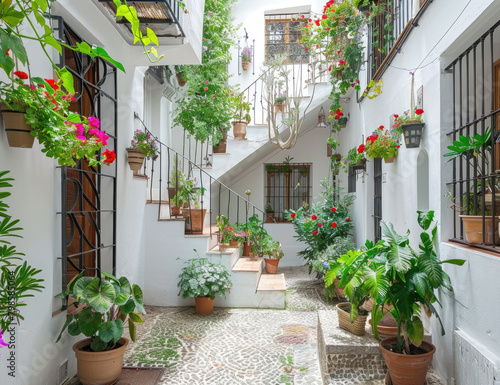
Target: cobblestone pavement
(237, 346)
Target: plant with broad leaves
(108, 302)
(201, 278)
(16, 281)
(392, 273)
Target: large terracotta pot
(99, 368)
(387, 327)
(135, 159)
(204, 305)
(17, 130)
(407, 369)
(473, 226)
(272, 265)
(339, 291)
(247, 249)
(245, 65)
(194, 220)
(240, 129)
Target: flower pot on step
(387, 327)
(99, 368)
(247, 249)
(344, 313)
(16, 128)
(175, 211)
(240, 129)
(194, 220)
(234, 243)
(135, 159)
(204, 305)
(407, 369)
(223, 247)
(473, 226)
(272, 265)
(221, 148)
(269, 217)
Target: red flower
(293, 215)
(52, 83)
(381, 128)
(334, 224)
(314, 217)
(320, 224)
(419, 111)
(347, 219)
(317, 22)
(330, 69)
(109, 157)
(398, 146)
(315, 232)
(310, 20)
(361, 149)
(325, 17)
(21, 75)
(396, 116)
(333, 209)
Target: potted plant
(246, 57)
(395, 274)
(176, 179)
(382, 144)
(141, 146)
(194, 215)
(220, 142)
(107, 304)
(269, 213)
(354, 159)
(411, 126)
(250, 233)
(272, 254)
(179, 73)
(340, 119)
(279, 102)
(226, 232)
(202, 280)
(241, 116)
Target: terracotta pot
(269, 217)
(135, 159)
(17, 130)
(99, 368)
(221, 148)
(175, 211)
(387, 327)
(247, 249)
(240, 130)
(223, 247)
(194, 220)
(339, 291)
(407, 369)
(473, 226)
(204, 305)
(344, 314)
(234, 243)
(279, 108)
(180, 80)
(389, 160)
(245, 65)
(272, 265)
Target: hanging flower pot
(240, 129)
(180, 80)
(412, 133)
(279, 108)
(135, 159)
(245, 65)
(16, 128)
(341, 122)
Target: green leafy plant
(226, 231)
(325, 221)
(395, 274)
(190, 193)
(241, 109)
(269, 208)
(381, 144)
(280, 98)
(201, 278)
(271, 248)
(17, 282)
(322, 260)
(144, 143)
(107, 305)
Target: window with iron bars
(474, 189)
(283, 32)
(288, 187)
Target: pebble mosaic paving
(242, 346)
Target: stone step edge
(255, 269)
(282, 284)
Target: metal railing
(164, 171)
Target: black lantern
(321, 118)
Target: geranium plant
(355, 156)
(201, 278)
(145, 143)
(381, 144)
(226, 231)
(407, 118)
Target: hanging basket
(17, 130)
(341, 122)
(245, 65)
(279, 108)
(180, 80)
(135, 159)
(412, 133)
(360, 166)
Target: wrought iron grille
(288, 187)
(283, 32)
(377, 198)
(475, 186)
(385, 30)
(88, 194)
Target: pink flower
(206, 88)
(80, 129)
(230, 229)
(94, 122)
(206, 81)
(82, 138)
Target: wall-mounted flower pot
(390, 159)
(473, 227)
(271, 265)
(204, 305)
(360, 166)
(245, 65)
(194, 220)
(99, 368)
(412, 134)
(180, 80)
(135, 159)
(341, 122)
(247, 249)
(240, 129)
(17, 130)
(279, 108)
(407, 369)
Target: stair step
(216, 250)
(248, 264)
(272, 282)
